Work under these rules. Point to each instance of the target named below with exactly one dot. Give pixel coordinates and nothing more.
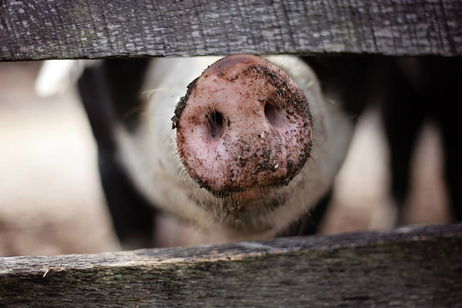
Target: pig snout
(243, 124)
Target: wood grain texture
(420, 267)
(42, 29)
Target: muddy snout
(243, 124)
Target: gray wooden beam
(42, 29)
(420, 267)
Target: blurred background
(51, 201)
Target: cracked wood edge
(406, 267)
(47, 29)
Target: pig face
(254, 146)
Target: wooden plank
(42, 29)
(418, 267)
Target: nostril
(215, 122)
(274, 115)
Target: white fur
(152, 161)
(56, 76)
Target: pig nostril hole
(274, 115)
(216, 122)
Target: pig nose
(244, 123)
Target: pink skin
(243, 124)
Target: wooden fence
(419, 267)
(42, 29)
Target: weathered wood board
(42, 29)
(420, 267)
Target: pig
(243, 147)
(256, 142)
(415, 90)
